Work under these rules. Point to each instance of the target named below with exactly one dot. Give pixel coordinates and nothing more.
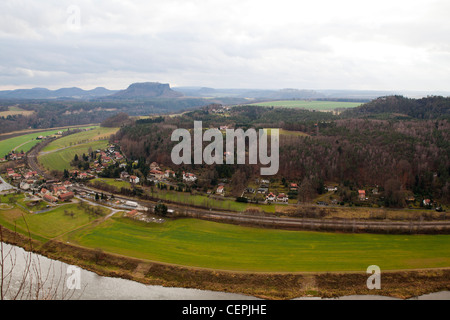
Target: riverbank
(399, 284)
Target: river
(59, 276)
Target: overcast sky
(320, 44)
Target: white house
(220, 190)
(134, 179)
(189, 177)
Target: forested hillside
(425, 108)
(398, 156)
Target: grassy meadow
(206, 244)
(60, 160)
(46, 225)
(95, 134)
(214, 245)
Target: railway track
(270, 221)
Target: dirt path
(22, 145)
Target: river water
(61, 282)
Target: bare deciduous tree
(23, 277)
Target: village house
(30, 174)
(220, 190)
(67, 184)
(132, 213)
(157, 174)
(106, 159)
(282, 197)
(66, 196)
(270, 197)
(50, 198)
(16, 176)
(362, 195)
(189, 177)
(57, 190)
(293, 187)
(134, 179)
(43, 192)
(83, 175)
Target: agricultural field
(310, 105)
(24, 142)
(214, 245)
(14, 110)
(58, 154)
(60, 159)
(94, 134)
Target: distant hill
(434, 107)
(147, 90)
(43, 93)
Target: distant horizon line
(51, 88)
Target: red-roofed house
(362, 194)
(57, 190)
(50, 198)
(157, 174)
(66, 196)
(16, 176)
(134, 179)
(220, 190)
(132, 213)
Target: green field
(47, 225)
(207, 244)
(60, 160)
(205, 201)
(310, 105)
(26, 141)
(112, 182)
(97, 133)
